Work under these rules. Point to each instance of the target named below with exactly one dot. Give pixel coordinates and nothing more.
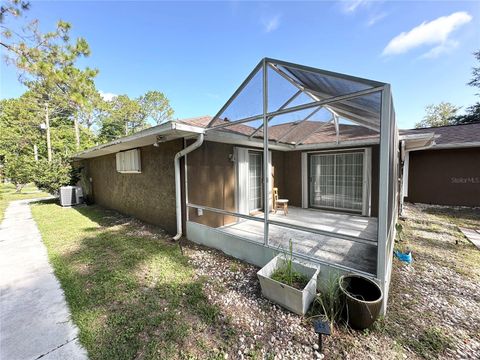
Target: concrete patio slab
(329, 249)
(34, 318)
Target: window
(129, 161)
(255, 181)
(249, 190)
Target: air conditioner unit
(71, 195)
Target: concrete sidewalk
(34, 317)
(472, 235)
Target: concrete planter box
(297, 301)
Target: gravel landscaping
(434, 308)
(215, 309)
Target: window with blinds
(129, 161)
(336, 180)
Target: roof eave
(169, 131)
(470, 144)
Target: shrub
(19, 170)
(50, 176)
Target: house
(327, 142)
(448, 172)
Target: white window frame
(367, 177)
(260, 155)
(129, 162)
(242, 178)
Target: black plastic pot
(363, 300)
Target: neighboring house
(447, 173)
(327, 141)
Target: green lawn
(7, 194)
(130, 290)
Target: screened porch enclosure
(325, 142)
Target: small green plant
(401, 244)
(286, 274)
(399, 228)
(329, 303)
(234, 268)
(431, 343)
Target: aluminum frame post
(266, 167)
(383, 196)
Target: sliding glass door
(336, 180)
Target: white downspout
(178, 185)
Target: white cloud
(350, 6)
(376, 18)
(271, 24)
(434, 33)
(107, 96)
(443, 48)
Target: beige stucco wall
(148, 196)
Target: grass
(328, 304)
(286, 274)
(7, 194)
(430, 344)
(460, 216)
(130, 290)
(292, 278)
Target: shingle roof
(314, 132)
(201, 121)
(307, 132)
(451, 134)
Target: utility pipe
(178, 185)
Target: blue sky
(198, 53)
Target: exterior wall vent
(129, 162)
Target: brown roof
(314, 132)
(201, 121)
(451, 134)
(306, 132)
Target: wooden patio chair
(279, 203)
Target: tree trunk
(77, 133)
(47, 128)
(35, 152)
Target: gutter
(457, 145)
(422, 147)
(168, 129)
(178, 192)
